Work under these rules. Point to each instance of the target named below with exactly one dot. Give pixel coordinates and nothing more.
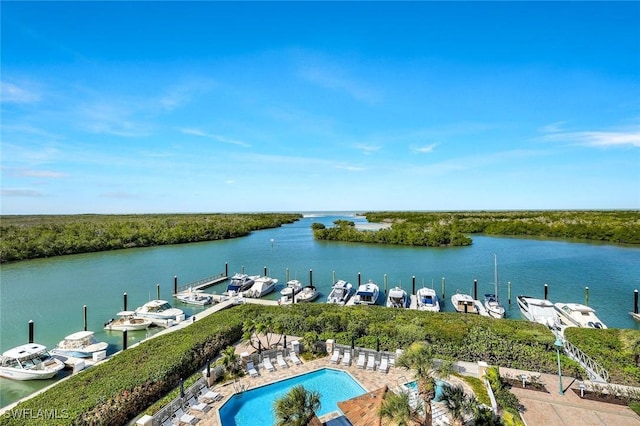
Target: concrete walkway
(543, 409)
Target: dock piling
(509, 292)
(124, 297)
(175, 284)
(265, 271)
(84, 311)
(158, 291)
(30, 331)
(546, 292)
(287, 275)
(311, 277)
(475, 289)
(443, 288)
(635, 301)
(586, 296)
(124, 340)
(413, 285)
(226, 269)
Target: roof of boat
(79, 335)
(575, 307)
(24, 350)
(156, 302)
(126, 313)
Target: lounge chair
(294, 358)
(198, 406)
(371, 362)
(252, 370)
(267, 364)
(361, 360)
(346, 358)
(384, 365)
(208, 396)
(182, 417)
(281, 361)
(336, 356)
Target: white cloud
(11, 93)
(219, 138)
(553, 127)
(18, 192)
(368, 149)
(423, 149)
(48, 174)
(627, 137)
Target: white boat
(127, 321)
(293, 287)
(340, 292)
(158, 309)
(367, 294)
(397, 298)
(464, 303)
(29, 362)
(308, 294)
(194, 297)
(261, 287)
(240, 283)
(491, 301)
(538, 310)
(427, 300)
(635, 315)
(82, 344)
(577, 315)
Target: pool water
(255, 407)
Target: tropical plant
(397, 408)
(419, 357)
(230, 360)
(459, 404)
(262, 332)
(297, 407)
(310, 340)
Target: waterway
(52, 292)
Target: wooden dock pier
(203, 283)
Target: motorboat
(635, 315)
(491, 301)
(261, 287)
(29, 362)
(194, 297)
(577, 315)
(538, 310)
(158, 309)
(293, 287)
(367, 294)
(308, 294)
(340, 292)
(240, 283)
(82, 344)
(397, 298)
(464, 303)
(427, 300)
(127, 321)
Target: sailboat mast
(495, 261)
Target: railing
(203, 281)
(594, 370)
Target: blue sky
(136, 107)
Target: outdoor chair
(346, 358)
(336, 356)
(252, 370)
(361, 360)
(267, 364)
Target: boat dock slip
(203, 283)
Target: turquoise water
(52, 292)
(255, 407)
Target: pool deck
(539, 408)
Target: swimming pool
(255, 407)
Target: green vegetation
(297, 407)
(617, 350)
(452, 228)
(116, 391)
(30, 237)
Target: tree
(263, 327)
(297, 407)
(457, 402)
(419, 357)
(230, 360)
(397, 408)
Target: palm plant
(419, 357)
(230, 360)
(397, 408)
(297, 407)
(457, 402)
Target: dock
(203, 283)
